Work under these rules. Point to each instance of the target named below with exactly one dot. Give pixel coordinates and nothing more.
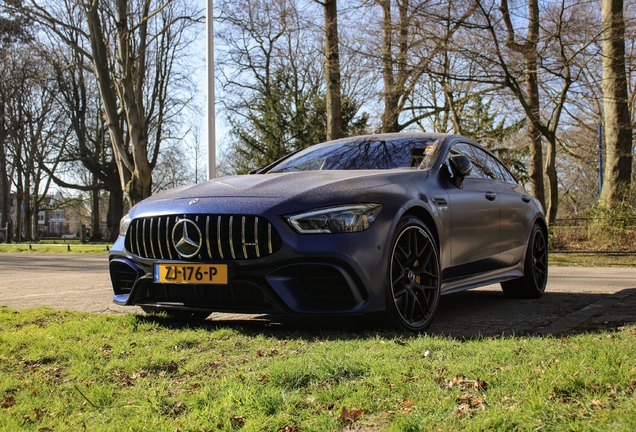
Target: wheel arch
(425, 216)
(544, 226)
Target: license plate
(191, 273)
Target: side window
(487, 163)
(466, 150)
(505, 174)
(494, 166)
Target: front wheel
(535, 273)
(414, 276)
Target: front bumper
(309, 274)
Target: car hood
(257, 192)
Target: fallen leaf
(349, 417)
(413, 378)
(237, 422)
(597, 404)
(288, 428)
(408, 405)
(462, 383)
(461, 410)
(7, 402)
(472, 401)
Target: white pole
(210, 74)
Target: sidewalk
(609, 313)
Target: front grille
(222, 237)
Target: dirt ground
(577, 299)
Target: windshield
(368, 154)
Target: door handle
(490, 196)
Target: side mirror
(460, 166)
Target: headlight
(341, 219)
(124, 223)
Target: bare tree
(13, 30)
(133, 46)
(528, 49)
(411, 44)
(548, 58)
(273, 90)
(86, 162)
(34, 131)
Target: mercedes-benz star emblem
(186, 238)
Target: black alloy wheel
(532, 284)
(414, 276)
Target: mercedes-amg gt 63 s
(378, 224)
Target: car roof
(398, 135)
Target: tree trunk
(5, 184)
(618, 131)
(116, 204)
(115, 213)
(136, 174)
(532, 88)
(95, 214)
(531, 101)
(36, 210)
(332, 71)
(537, 185)
(19, 199)
(394, 82)
(132, 69)
(553, 183)
(391, 113)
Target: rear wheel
(414, 276)
(532, 284)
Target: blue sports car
(364, 225)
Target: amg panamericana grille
(223, 237)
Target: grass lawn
(74, 371)
(73, 246)
(584, 259)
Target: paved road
(81, 282)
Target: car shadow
(481, 313)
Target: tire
(177, 314)
(413, 280)
(532, 284)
